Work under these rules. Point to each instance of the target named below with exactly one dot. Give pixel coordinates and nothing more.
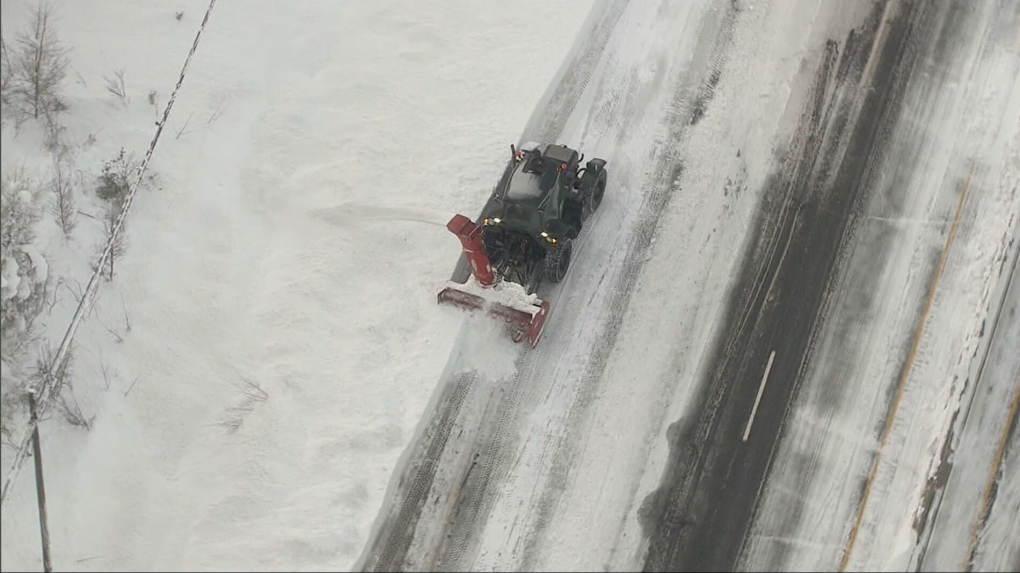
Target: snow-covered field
(281, 270)
(269, 345)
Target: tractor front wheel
(593, 198)
(557, 261)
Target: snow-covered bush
(24, 273)
(13, 401)
(116, 178)
(114, 185)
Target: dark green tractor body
(529, 229)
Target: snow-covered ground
(271, 340)
(281, 272)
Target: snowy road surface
(782, 185)
(894, 353)
(968, 485)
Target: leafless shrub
(127, 315)
(118, 245)
(114, 186)
(133, 382)
(57, 376)
(55, 290)
(217, 113)
(77, 292)
(54, 141)
(13, 400)
(115, 87)
(154, 102)
(251, 396)
(183, 130)
(6, 77)
(69, 407)
(104, 367)
(64, 207)
(39, 64)
(179, 15)
(49, 372)
(127, 324)
(113, 332)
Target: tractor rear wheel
(557, 261)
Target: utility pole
(40, 490)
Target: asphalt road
(698, 517)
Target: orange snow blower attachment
(523, 314)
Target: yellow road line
(987, 499)
(906, 372)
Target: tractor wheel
(557, 261)
(593, 199)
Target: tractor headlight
(497, 220)
(545, 235)
(493, 221)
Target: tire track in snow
(389, 542)
(621, 108)
(699, 517)
(688, 109)
(552, 111)
(856, 334)
(396, 534)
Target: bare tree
(64, 209)
(6, 74)
(119, 244)
(39, 65)
(54, 134)
(115, 87)
(57, 377)
(72, 412)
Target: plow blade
(524, 318)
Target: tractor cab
(538, 186)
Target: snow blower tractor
(525, 235)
